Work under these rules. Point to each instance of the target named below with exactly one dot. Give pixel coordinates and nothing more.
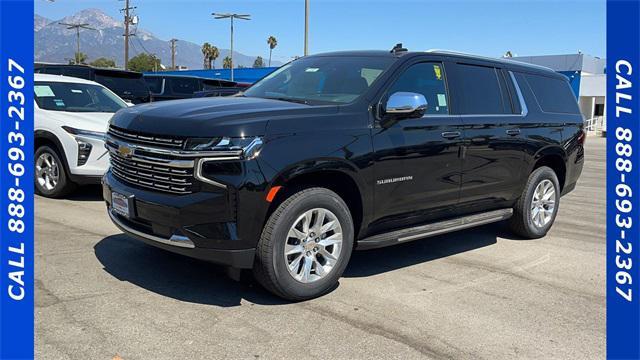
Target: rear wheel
(50, 174)
(305, 245)
(537, 208)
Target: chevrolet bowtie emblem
(124, 151)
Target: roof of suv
(64, 79)
(386, 53)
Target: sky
(525, 27)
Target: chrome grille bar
(146, 139)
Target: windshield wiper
(293, 100)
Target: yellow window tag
(437, 71)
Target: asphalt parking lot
(480, 293)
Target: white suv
(71, 118)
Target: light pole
(231, 16)
(77, 28)
(306, 27)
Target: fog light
(84, 150)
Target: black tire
(521, 222)
(64, 185)
(270, 264)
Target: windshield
(321, 80)
(70, 97)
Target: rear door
(417, 163)
(493, 154)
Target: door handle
(451, 134)
(513, 132)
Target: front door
(417, 161)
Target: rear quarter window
(553, 95)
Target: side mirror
(405, 105)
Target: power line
(127, 21)
(218, 16)
(77, 28)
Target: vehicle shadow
(176, 276)
(196, 281)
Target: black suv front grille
(151, 175)
(150, 162)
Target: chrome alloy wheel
(313, 245)
(543, 203)
(47, 171)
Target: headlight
(247, 147)
(86, 133)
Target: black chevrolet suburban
(343, 151)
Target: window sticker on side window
(59, 102)
(437, 71)
(43, 91)
(76, 91)
(442, 100)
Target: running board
(442, 227)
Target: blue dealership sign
(623, 181)
(16, 179)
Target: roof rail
(503, 60)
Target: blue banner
(16, 179)
(623, 181)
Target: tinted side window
(51, 70)
(78, 73)
(426, 79)
(553, 95)
(154, 84)
(184, 86)
(482, 93)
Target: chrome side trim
(524, 110)
(198, 173)
(175, 240)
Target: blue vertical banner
(623, 181)
(16, 179)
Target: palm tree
(273, 42)
(213, 55)
(226, 63)
(206, 50)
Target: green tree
(258, 63)
(226, 63)
(273, 42)
(214, 53)
(206, 49)
(144, 62)
(103, 62)
(79, 58)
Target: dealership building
(587, 76)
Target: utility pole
(127, 22)
(231, 16)
(173, 53)
(306, 27)
(77, 28)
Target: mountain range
(55, 43)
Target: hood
(93, 121)
(204, 117)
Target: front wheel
(537, 208)
(305, 245)
(51, 179)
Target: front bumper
(201, 225)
